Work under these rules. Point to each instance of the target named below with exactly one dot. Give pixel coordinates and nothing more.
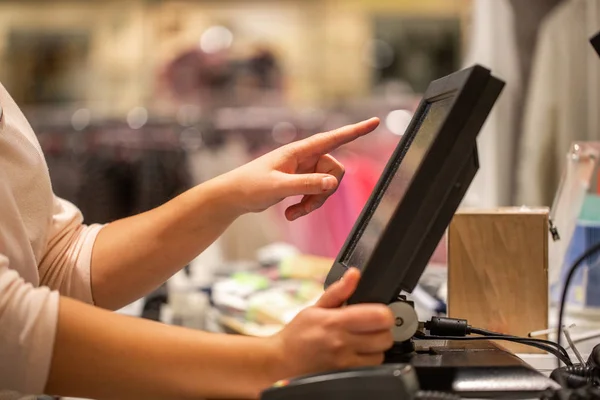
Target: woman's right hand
(326, 337)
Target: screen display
(385, 205)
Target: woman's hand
(169, 237)
(88, 362)
(299, 168)
(326, 337)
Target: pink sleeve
(28, 318)
(66, 263)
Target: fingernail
(329, 183)
(296, 214)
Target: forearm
(102, 355)
(133, 256)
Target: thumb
(307, 184)
(340, 291)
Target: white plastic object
(275, 252)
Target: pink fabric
(324, 231)
(43, 247)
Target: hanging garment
(115, 186)
(493, 45)
(161, 175)
(563, 98)
(528, 17)
(108, 191)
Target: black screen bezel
(405, 237)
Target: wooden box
(498, 271)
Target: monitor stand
(407, 324)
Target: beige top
(44, 248)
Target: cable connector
(442, 326)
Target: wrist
(278, 366)
(229, 194)
(219, 196)
(269, 368)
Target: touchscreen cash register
(391, 242)
(421, 187)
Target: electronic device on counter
(418, 193)
(399, 228)
(388, 382)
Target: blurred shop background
(136, 101)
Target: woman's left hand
(299, 168)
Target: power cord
(542, 346)
(573, 376)
(563, 298)
(580, 381)
(443, 328)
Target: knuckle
(325, 319)
(307, 315)
(329, 136)
(311, 312)
(283, 153)
(312, 141)
(336, 344)
(307, 184)
(289, 150)
(334, 321)
(335, 132)
(289, 153)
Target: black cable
(561, 349)
(575, 376)
(563, 298)
(544, 342)
(529, 342)
(484, 332)
(455, 327)
(537, 343)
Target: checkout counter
(410, 209)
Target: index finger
(366, 318)
(324, 143)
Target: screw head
(399, 321)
